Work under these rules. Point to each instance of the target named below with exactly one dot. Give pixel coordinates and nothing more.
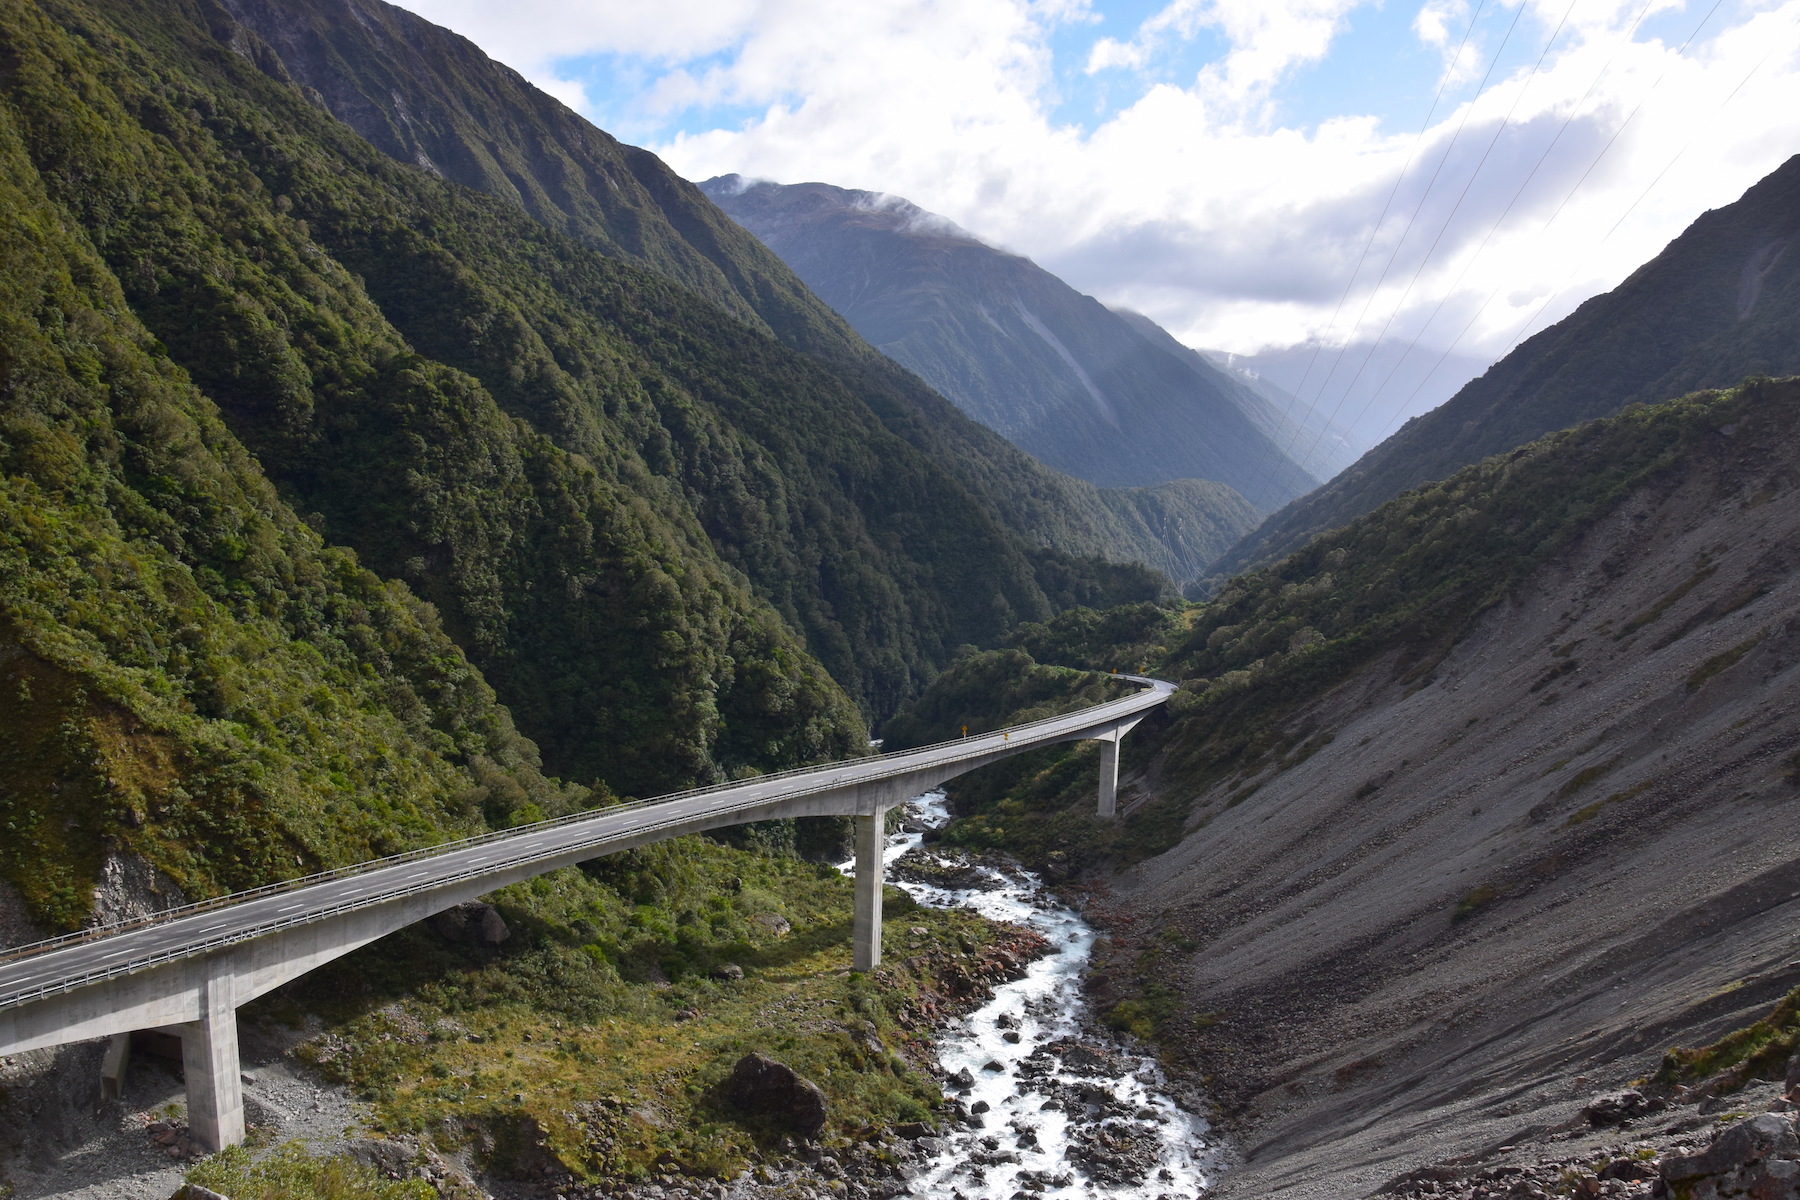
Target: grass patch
(1758, 1051)
(1700, 576)
(1581, 815)
(290, 1173)
(1476, 899)
(1720, 663)
(1582, 778)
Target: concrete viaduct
(187, 971)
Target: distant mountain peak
(776, 202)
(1058, 373)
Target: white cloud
(1190, 203)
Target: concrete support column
(115, 1066)
(1109, 773)
(871, 840)
(209, 1059)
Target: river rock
(1756, 1159)
(1088, 1059)
(763, 1085)
(953, 872)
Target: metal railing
(896, 763)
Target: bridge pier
(209, 1060)
(1109, 766)
(1109, 775)
(871, 842)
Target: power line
(1374, 232)
(1425, 261)
(1570, 195)
(1423, 197)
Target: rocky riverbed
(1046, 1103)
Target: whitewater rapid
(1069, 1112)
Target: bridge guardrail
(370, 866)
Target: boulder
(1758, 1159)
(1618, 1108)
(730, 971)
(1628, 1169)
(766, 1087)
(1792, 1086)
(193, 1191)
(392, 1159)
(472, 922)
(493, 926)
(771, 924)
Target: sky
(1303, 180)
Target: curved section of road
(422, 882)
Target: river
(1058, 1108)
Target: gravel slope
(1491, 897)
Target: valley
(398, 472)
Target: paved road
(65, 964)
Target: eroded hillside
(1517, 823)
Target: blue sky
(1254, 174)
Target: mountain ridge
(1720, 302)
(1057, 372)
(416, 91)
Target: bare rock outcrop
(130, 889)
(1759, 1159)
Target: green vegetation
(1760, 1050)
(310, 462)
(292, 1174)
(1724, 661)
(599, 1031)
(1476, 899)
(1590, 811)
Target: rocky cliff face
(1497, 881)
(1016, 348)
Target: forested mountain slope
(342, 510)
(1465, 813)
(427, 97)
(1719, 304)
(615, 493)
(1015, 347)
(188, 675)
